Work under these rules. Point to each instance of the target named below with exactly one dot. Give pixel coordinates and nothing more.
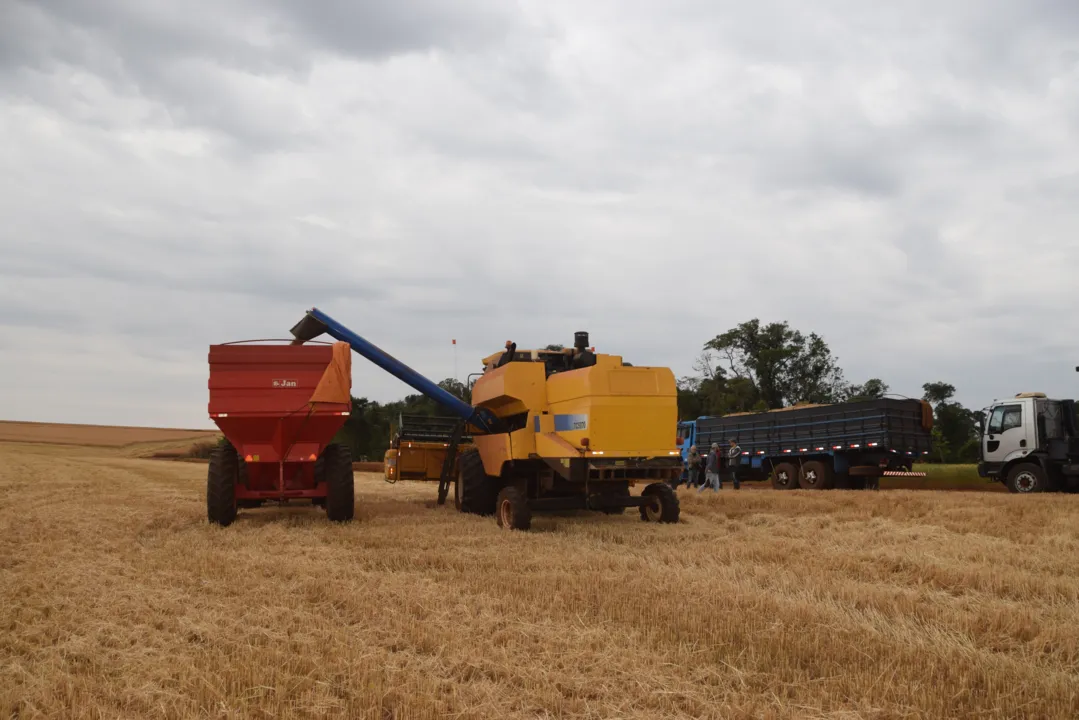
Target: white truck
(1031, 444)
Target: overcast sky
(902, 179)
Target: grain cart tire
(1027, 478)
(816, 475)
(664, 506)
(340, 483)
(785, 476)
(221, 485)
(473, 491)
(511, 509)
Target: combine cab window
(1004, 418)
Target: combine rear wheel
(785, 476)
(512, 509)
(221, 486)
(473, 491)
(816, 476)
(340, 483)
(663, 506)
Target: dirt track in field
(94, 435)
(118, 600)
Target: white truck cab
(1030, 443)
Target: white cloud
(898, 179)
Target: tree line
(370, 425)
(756, 367)
(751, 367)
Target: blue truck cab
(817, 447)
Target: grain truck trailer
(818, 447)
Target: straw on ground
(118, 600)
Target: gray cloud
(178, 175)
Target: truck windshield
(1005, 417)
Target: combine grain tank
(279, 406)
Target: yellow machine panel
(511, 389)
(622, 411)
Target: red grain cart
(279, 407)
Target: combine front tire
(663, 506)
(340, 483)
(1026, 478)
(785, 476)
(221, 486)
(473, 491)
(512, 509)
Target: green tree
(783, 365)
(938, 392)
(955, 428)
(871, 389)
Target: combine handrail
(316, 322)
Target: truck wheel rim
(811, 477)
(1025, 481)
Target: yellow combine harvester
(552, 429)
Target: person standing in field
(734, 455)
(711, 470)
(693, 466)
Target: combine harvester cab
(279, 406)
(551, 429)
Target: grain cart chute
(553, 430)
(279, 406)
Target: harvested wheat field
(117, 600)
(95, 435)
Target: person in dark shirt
(734, 458)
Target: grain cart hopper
(552, 430)
(278, 407)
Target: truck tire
(512, 509)
(785, 476)
(1027, 478)
(340, 483)
(664, 506)
(221, 485)
(473, 492)
(816, 475)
